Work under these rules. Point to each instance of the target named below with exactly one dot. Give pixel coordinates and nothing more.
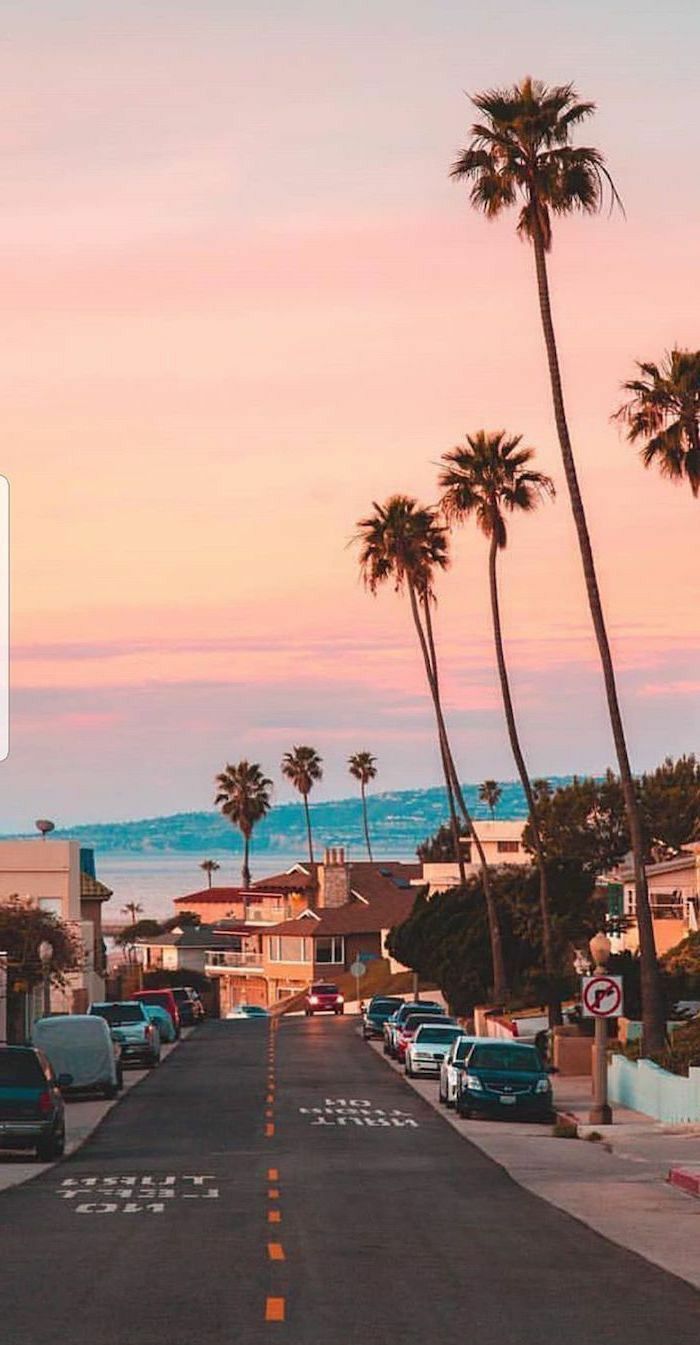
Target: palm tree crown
(363, 767)
(402, 540)
(488, 475)
(664, 410)
(244, 796)
(521, 154)
(490, 793)
(304, 767)
(210, 867)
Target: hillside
(398, 822)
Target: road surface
(283, 1184)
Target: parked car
(429, 1046)
(166, 999)
(31, 1107)
(408, 1029)
(248, 1011)
(376, 1013)
(452, 1066)
(393, 1023)
(189, 1005)
(324, 997)
(504, 1078)
(131, 1026)
(81, 1046)
(162, 1020)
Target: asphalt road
(285, 1184)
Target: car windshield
(441, 1034)
(416, 1019)
(420, 1008)
(119, 1013)
(20, 1069)
(517, 1059)
(383, 1005)
(324, 990)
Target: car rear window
(155, 998)
(382, 1005)
(524, 1059)
(181, 996)
(437, 1034)
(20, 1068)
(324, 990)
(415, 1019)
(119, 1013)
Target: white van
(81, 1045)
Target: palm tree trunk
(652, 1003)
(516, 749)
(245, 870)
(309, 837)
(364, 818)
(454, 790)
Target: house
(260, 904)
(674, 895)
(502, 843)
(59, 876)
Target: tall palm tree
(404, 541)
(490, 793)
(363, 767)
(488, 476)
(133, 909)
(521, 154)
(303, 766)
(664, 411)
(210, 867)
(244, 796)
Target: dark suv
(324, 998)
(31, 1106)
(189, 1005)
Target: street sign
(601, 996)
(358, 969)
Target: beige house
(502, 843)
(674, 894)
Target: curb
(686, 1179)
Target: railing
(246, 958)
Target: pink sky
(241, 300)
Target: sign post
(358, 970)
(601, 998)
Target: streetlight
(45, 951)
(601, 1111)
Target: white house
(502, 843)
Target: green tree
(663, 413)
(404, 542)
(490, 793)
(521, 153)
(210, 867)
(304, 767)
(363, 767)
(22, 929)
(486, 478)
(141, 929)
(244, 796)
(439, 848)
(583, 823)
(670, 802)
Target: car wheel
(120, 1079)
(153, 1060)
(52, 1148)
(408, 1071)
(109, 1091)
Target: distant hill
(398, 822)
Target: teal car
(376, 1013)
(162, 1020)
(501, 1078)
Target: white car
(247, 1011)
(426, 1051)
(451, 1068)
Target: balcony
(248, 960)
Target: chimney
(333, 878)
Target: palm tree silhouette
(363, 767)
(521, 154)
(490, 793)
(488, 476)
(244, 796)
(304, 767)
(210, 867)
(404, 541)
(664, 411)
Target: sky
(242, 300)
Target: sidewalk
(618, 1186)
(83, 1115)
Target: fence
(647, 1088)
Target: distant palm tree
(210, 867)
(304, 767)
(664, 411)
(521, 153)
(404, 541)
(133, 909)
(488, 476)
(363, 767)
(244, 796)
(490, 793)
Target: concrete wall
(645, 1087)
(46, 871)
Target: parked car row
(478, 1076)
(83, 1053)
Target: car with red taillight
(165, 997)
(132, 1028)
(31, 1106)
(409, 1028)
(324, 997)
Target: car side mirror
(64, 1080)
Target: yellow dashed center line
(273, 1175)
(274, 1217)
(274, 1310)
(273, 1193)
(275, 1251)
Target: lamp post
(601, 1111)
(45, 951)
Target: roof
(191, 936)
(687, 859)
(300, 878)
(225, 896)
(91, 889)
(391, 908)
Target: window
(52, 905)
(508, 847)
(286, 948)
(330, 948)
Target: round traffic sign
(358, 968)
(602, 996)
